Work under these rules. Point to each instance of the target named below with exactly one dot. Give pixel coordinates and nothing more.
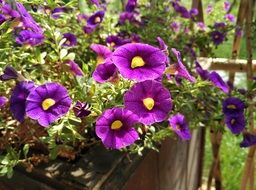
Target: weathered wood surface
(175, 167)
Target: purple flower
(47, 103)
(105, 72)
(58, 11)
(70, 40)
(3, 101)
(115, 128)
(137, 61)
(175, 26)
(96, 18)
(149, 100)
(179, 124)
(209, 9)
(233, 106)
(81, 109)
(116, 41)
(204, 74)
(135, 38)
(74, 68)
(27, 20)
(217, 37)
(95, 2)
(103, 52)
(219, 25)
(9, 73)
(217, 81)
(179, 69)
(127, 16)
(88, 29)
(230, 17)
(238, 31)
(180, 9)
(26, 37)
(18, 99)
(226, 5)
(2, 19)
(201, 26)
(193, 12)
(131, 5)
(248, 140)
(236, 123)
(242, 91)
(9, 12)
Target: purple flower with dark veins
(137, 61)
(149, 100)
(47, 103)
(248, 140)
(70, 40)
(105, 72)
(18, 99)
(217, 37)
(236, 123)
(179, 124)
(115, 128)
(81, 109)
(233, 106)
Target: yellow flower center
(178, 127)
(231, 106)
(112, 44)
(117, 124)
(100, 60)
(149, 103)
(233, 121)
(47, 103)
(137, 61)
(97, 19)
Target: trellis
(233, 65)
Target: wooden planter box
(176, 167)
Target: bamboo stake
(237, 39)
(248, 170)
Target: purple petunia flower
(88, 29)
(209, 9)
(230, 17)
(149, 100)
(179, 69)
(217, 37)
(131, 5)
(204, 74)
(226, 5)
(58, 11)
(96, 18)
(18, 99)
(248, 140)
(233, 105)
(135, 38)
(70, 40)
(116, 41)
(26, 37)
(181, 10)
(74, 68)
(127, 16)
(103, 52)
(115, 128)
(47, 103)
(219, 25)
(81, 109)
(201, 26)
(137, 61)
(105, 72)
(96, 2)
(8, 12)
(9, 73)
(2, 19)
(236, 123)
(238, 31)
(3, 101)
(179, 124)
(175, 26)
(217, 81)
(193, 12)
